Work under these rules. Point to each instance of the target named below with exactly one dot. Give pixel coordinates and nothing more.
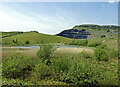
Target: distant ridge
(85, 30)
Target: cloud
(111, 1)
(15, 20)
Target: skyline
(53, 17)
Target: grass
(111, 43)
(36, 38)
(9, 51)
(33, 38)
(71, 51)
(32, 52)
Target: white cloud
(14, 20)
(111, 1)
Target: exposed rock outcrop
(75, 34)
(86, 31)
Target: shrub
(14, 40)
(60, 64)
(73, 42)
(27, 42)
(42, 70)
(102, 36)
(103, 47)
(100, 54)
(80, 42)
(16, 65)
(113, 53)
(108, 30)
(81, 73)
(85, 55)
(45, 53)
(95, 44)
(83, 42)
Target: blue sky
(53, 17)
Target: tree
(45, 53)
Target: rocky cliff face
(85, 31)
(75, 34)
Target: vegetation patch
(79, 43)
(16, 65)
(101, 54)
(81, 73)
(45, 53)
(60, 64)
(95, 44)
(42, 71)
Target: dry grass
(6, 51)
(71, 51)
(27, 52)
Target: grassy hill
(32, 38)
(109, 33)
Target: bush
(108, 30)
(14, 40)
(81, 73)
(16, 65)
(85, 55)
(27, 42)
(113, 53)
(103, 47)
(102, 36)
(60, 64)
(80, 42)
(45, 53)
(83, 42)
(73, 42)
(100, 54)
(42, 70)
(95, 44)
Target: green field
(33, 38)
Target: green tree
(45, 53)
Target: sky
(53, 17)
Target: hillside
(94, 33)
(86, 31)
(31, 38)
